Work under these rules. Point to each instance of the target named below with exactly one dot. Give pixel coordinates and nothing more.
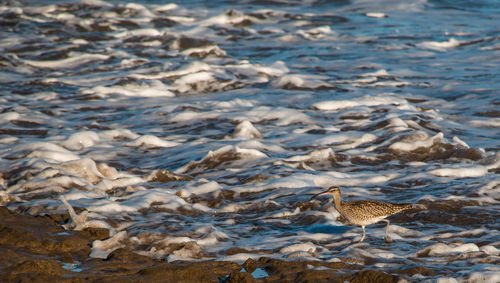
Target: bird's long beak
(319, 194)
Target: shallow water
(199, 130)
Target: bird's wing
(373, 208)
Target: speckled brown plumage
(360, 211)
(365, 212)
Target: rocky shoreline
(38, 249)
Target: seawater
(198, 130)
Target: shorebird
(364, 212)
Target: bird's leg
(364, 234)
(387, 238)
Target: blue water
(254, 105)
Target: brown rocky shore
(38, 249)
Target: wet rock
(38, 266)
(371, 276)
(37, 278)
(183, 43)
(308, 205)
(236, 250)
(317, 276)
(419, 270)
(123, 255)
(37, 249)
(223, 156)
(95, 233)
(184, 249)
(300, 271)
(256, 178)
(38, 235)
(250, 265)
(221, 268)
(190, 273)
(34, 249)
(165, 176)
(240, 277)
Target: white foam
(155, 89)
(198, 189)
(318, 33)
(166, 7)
(376, 15)
(108, 184)
(483, 276)
(457, 171)
(301, 81)
(150, 141)
(285, 213)
(275, 69)
(419, 141)
(98, 3)
(84, 168)
(490, 250)
(336, 104)
(49, 152)
(353, 179)
(42, 185)
(446, 280)
(232, 18)
(81, 140)
(445, 249)
(101, 249)
(460, 142)
(245, 155)
(400, 230)
(439, 46)
(74, 61)
(11, 10)
(198, 81)
(246, 130)
(8, 140)
(118, 134)
(306, 247)
(205, 51)
(240, 258)
(313, 156)
(379, 73)
(283, 116)
(143, 10)
(485, 123)
(138, 32)
(364, 139)
(9, 116)
(194, 67)
(193, 116)
(365, 101)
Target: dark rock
(95, 233)
(38, 266)
(172, 273)
(317, 276)
(221, 268)
(240, 277)
(371, 276)
(419, 270)
(165, 176)
(124, 255)
(250, 265)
